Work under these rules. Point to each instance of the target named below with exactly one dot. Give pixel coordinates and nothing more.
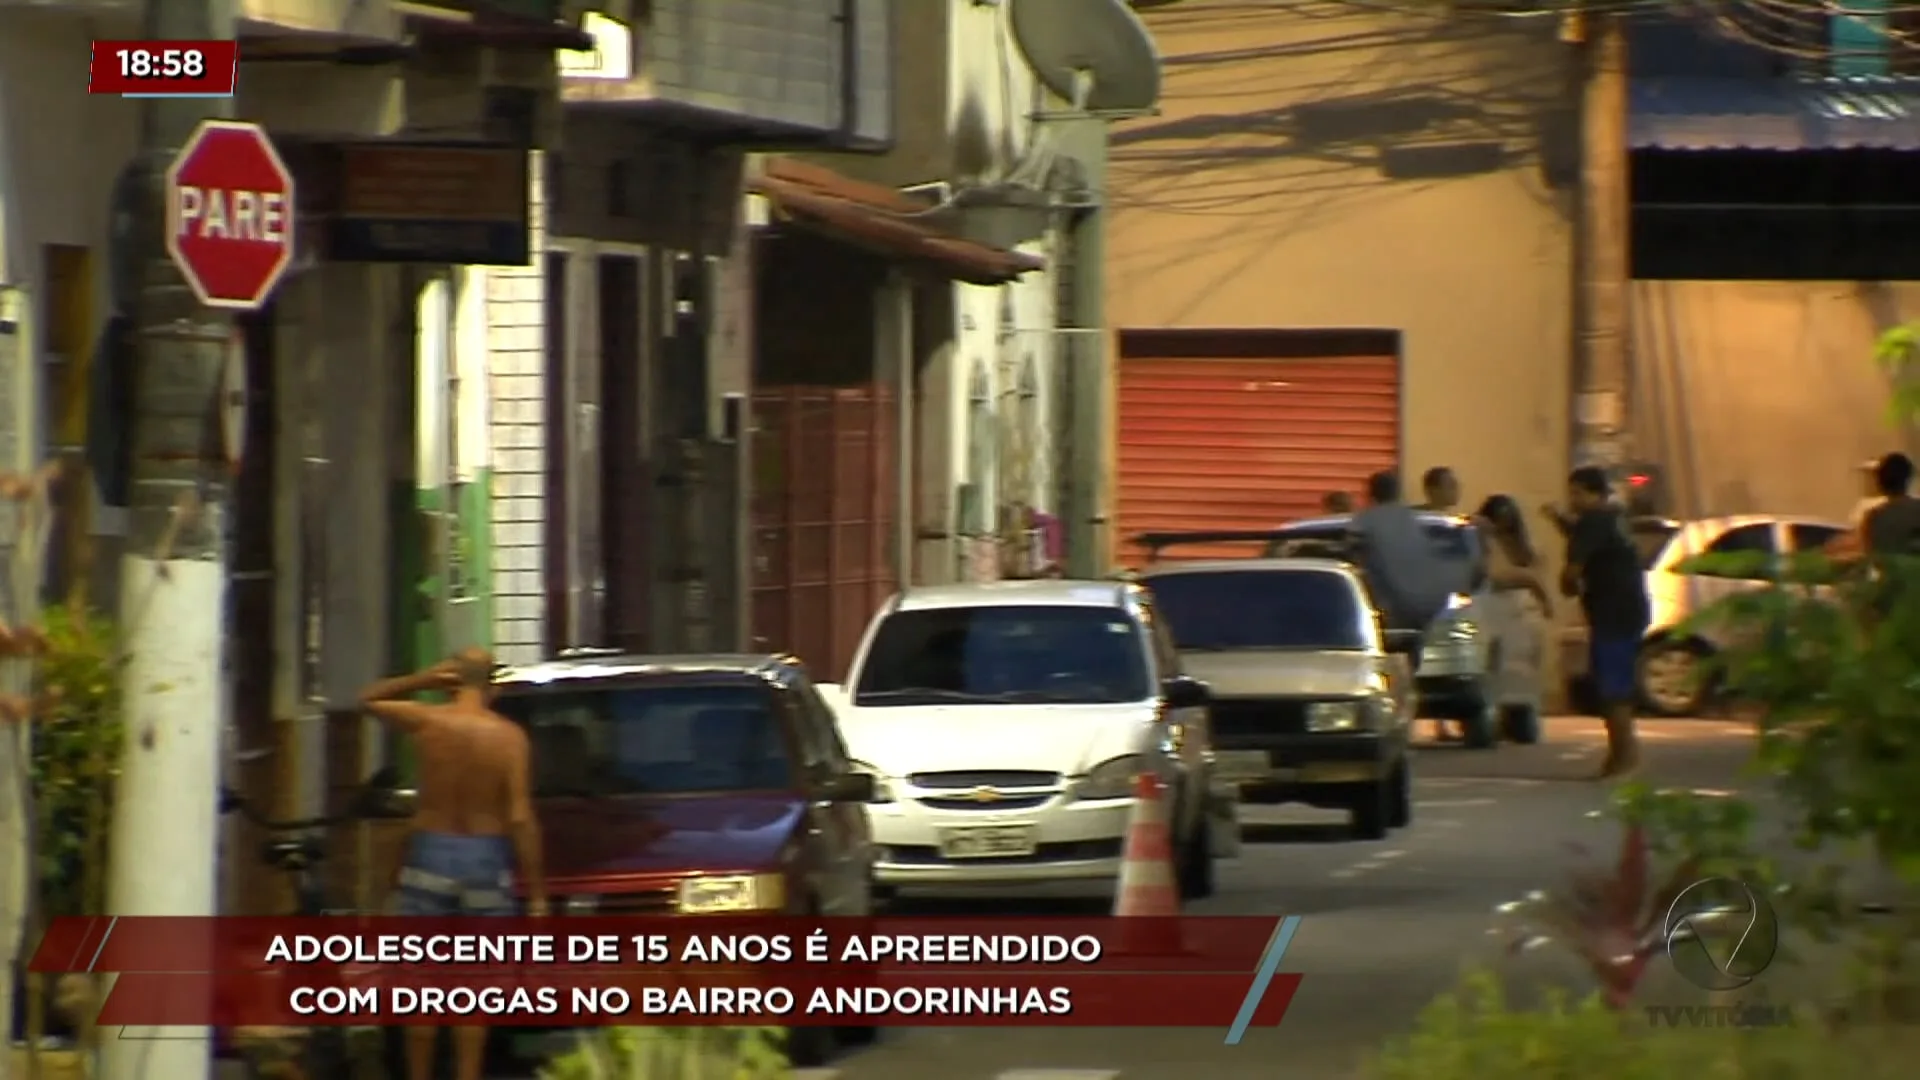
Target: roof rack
(1155, 542)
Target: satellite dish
(1095, 53)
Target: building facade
(1345, 244)
(1005, 465)
(1776, 236)
(359, 531)
(852, 311)
(728, 369)
(967, 406)
(620, 358)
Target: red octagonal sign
(230, 214)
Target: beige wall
(1762, 396)
(1265, 195)
(54, 186)
(922, 152)
(963, 98)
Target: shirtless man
(474, 826)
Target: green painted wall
(430, 637)
(407, 602)
(475, 508)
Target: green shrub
(1609, 915)
(667, 1053)
(1473, 1034)
(76, 758)
(1826, 660)
(1898, 354)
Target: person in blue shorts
(1602, 568)
(474, 835)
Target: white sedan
(1006, 726)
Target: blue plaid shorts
(445, 874)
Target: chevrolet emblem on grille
(985, 794)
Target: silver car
(1311, 698)
(1461, 667)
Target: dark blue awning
(1682, 112)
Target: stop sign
(230, 214)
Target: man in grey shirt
(1893, 527)
(1411, 573)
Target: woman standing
(1518, 605)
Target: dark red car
(694, 785)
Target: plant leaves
(1629, 887)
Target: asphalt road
(1385, 925)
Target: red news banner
(581, 971)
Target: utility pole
(173, 578)
(1091, 385)
(1601, 366)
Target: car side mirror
(1405, 642)
(383, 799)
(1186, 692)
(853, 787)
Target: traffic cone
(1147, 889)
(1147, 884)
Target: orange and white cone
(1148, 888)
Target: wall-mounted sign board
(405, 201)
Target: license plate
(987, 842)
(1240, 765)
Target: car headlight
(731, 893)
(882, 791)
(581, 905)
(1325, 716)
(1109, 780)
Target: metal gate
(1218, 436)
(823, 514)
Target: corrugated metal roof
(1709, 113)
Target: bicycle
(318, 1053)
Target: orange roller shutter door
(1248, 442)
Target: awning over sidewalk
(1720, 113)
(883, 221)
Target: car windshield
(1050, 654)
(1650, 538)
(651, 740)
(1212, 611)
